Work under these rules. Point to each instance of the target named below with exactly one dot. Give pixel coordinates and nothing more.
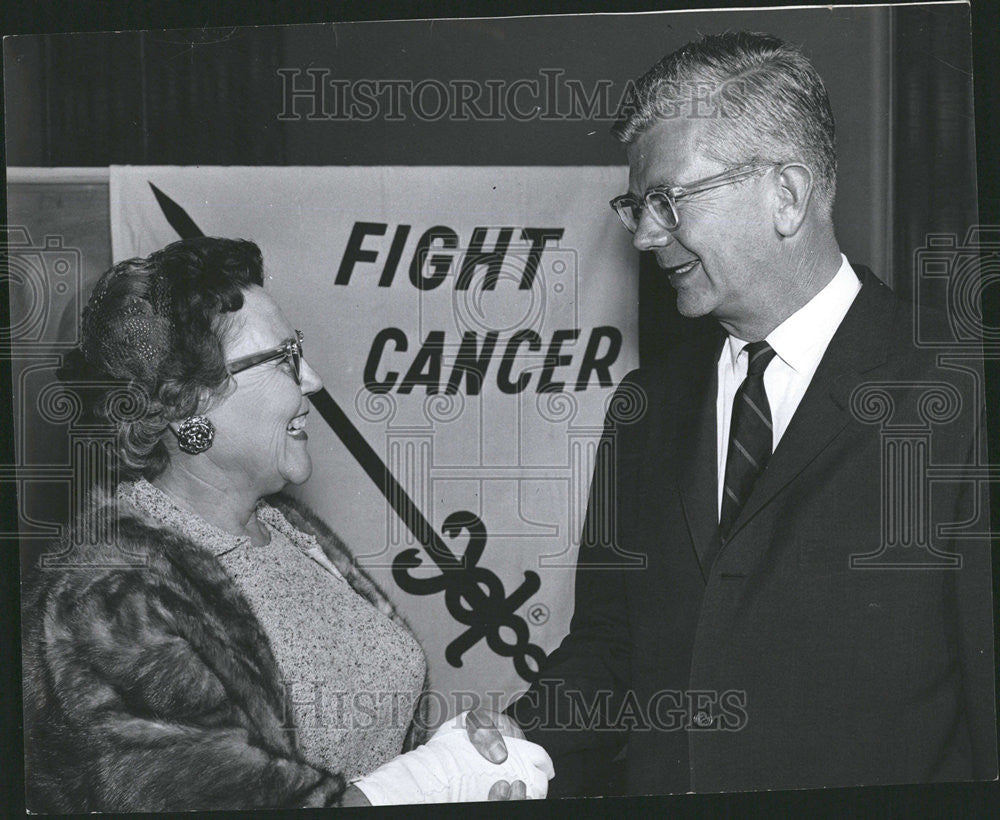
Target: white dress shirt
(799, 342)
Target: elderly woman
(166, 669)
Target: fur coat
(154, 688)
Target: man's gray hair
(760, 99)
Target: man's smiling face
(717, 257)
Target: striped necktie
(750, 436)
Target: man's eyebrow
(655, 186)
(663, 183)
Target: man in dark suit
(770, 592)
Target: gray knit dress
(352, 676)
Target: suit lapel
(857, 346)
(697, 466)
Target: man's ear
(795, 184)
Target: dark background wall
(214, 96)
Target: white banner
(470, 323)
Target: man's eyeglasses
(290, 350)
(662, 201)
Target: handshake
(478, 755)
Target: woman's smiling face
(260, 424)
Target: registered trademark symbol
(538, 614)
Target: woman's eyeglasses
(290, 350)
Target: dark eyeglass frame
(289, 350)
(661, 201)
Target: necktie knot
(759, 355)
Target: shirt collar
(802, 338)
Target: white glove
(449, 769)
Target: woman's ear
(795, 184)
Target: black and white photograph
(535, 406)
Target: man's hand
(465, 759)
(486, 730)
(354, 797)
(502, 790)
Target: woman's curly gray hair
(156, 326)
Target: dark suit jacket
(781, 665)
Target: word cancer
(518, 359)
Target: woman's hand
(456, 765)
